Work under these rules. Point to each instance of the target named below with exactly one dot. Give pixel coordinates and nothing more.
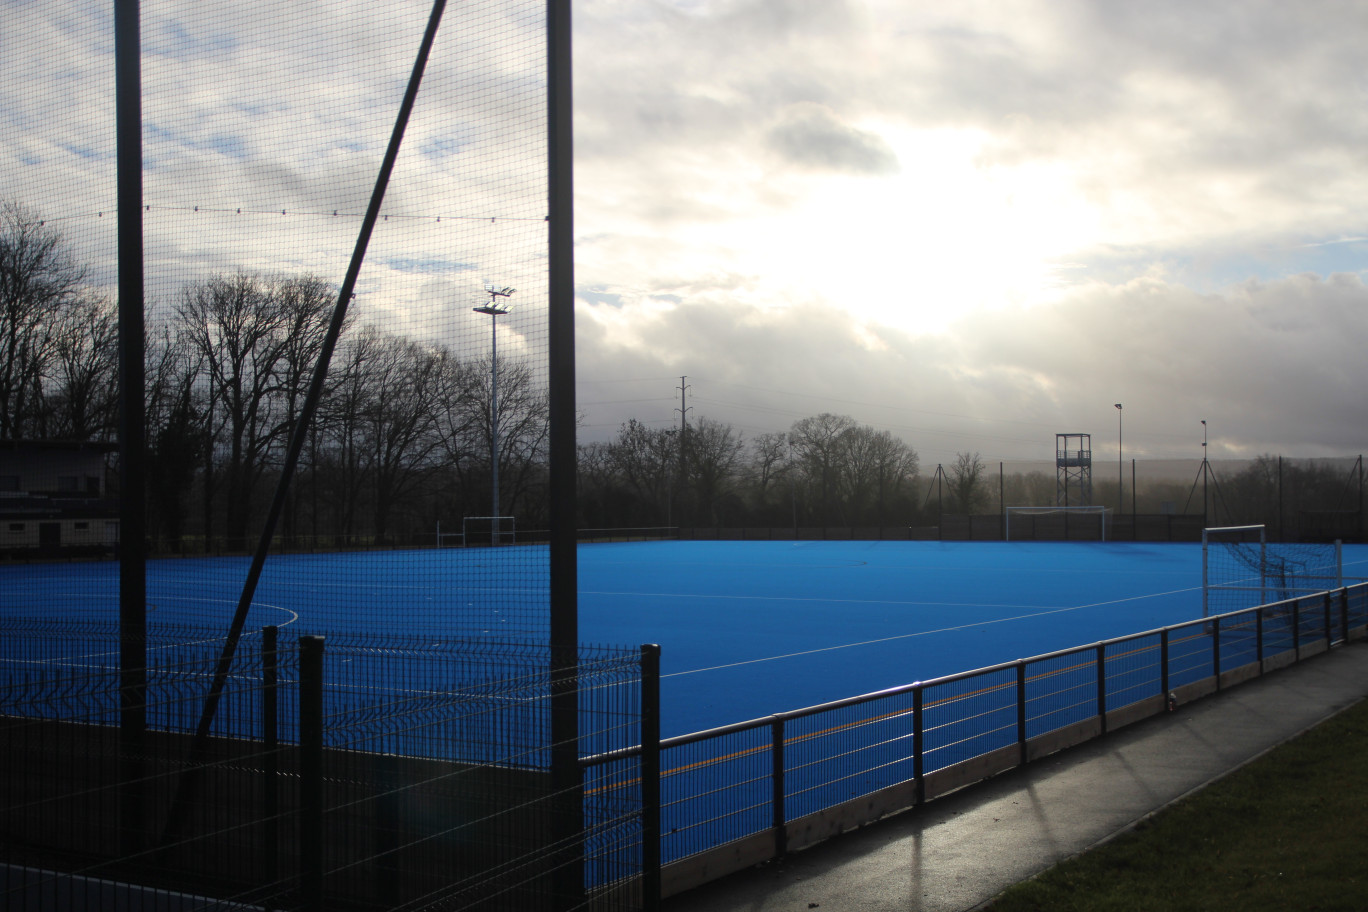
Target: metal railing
(740, 794)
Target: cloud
(812, 137)
(1271, 365)
(975, 224)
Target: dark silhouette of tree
(241, 326)
(713, 453)
(818, 444)
(966, 481)
(40, 283)
(82, 392)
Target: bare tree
(39, 283)
(767, 468)
(818, 444)
(714, 449)
(244, 327)
(645, 460)
(82, 393)
(176, 437)
(966, 478)
(399, 427)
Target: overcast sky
(979, 224)
(973, 224)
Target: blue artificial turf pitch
(746, 628)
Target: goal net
(1084, 523)
(1242, 569)
(488, 530)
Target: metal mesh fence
(418, 774)
(740, 794)
(1134, 669)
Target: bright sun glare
(967, 237)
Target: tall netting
(415, 534)
(264, 128)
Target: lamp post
(1120, 466)
(1204, 473)
(494, 310)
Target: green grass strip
(1288, 831)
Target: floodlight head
(1118, 405)
(495, 290)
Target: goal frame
(1081, 510)
(494, 527)
(1265, 562)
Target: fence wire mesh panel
(845, 752)
(968, 716)
(1240, 644)
(1310, 620)
(1356, 606)
(1061, 690)
(95, 822)
(1189, 653)
(716, 790)
(431, 784)
(1134, 670)
(439, 793)
(1279, 628)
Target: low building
(54, 499)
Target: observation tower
(1073, 470)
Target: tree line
(402, 438)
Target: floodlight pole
(1204, 474)
(1120, 467)
(494, 311)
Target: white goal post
(489, 530)
(1028, 517)
(1241, 568)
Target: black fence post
(1164, 663)
(1021, 711)
(270, 761)
(1216, 649)
(1329, 632)
(1259, 637)
(1101, 684)
(918, 744)
(1344, 613)
(650, 777)
(1296, 629)
(311, 773)
(778, 820)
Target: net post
(270, 742)
(1329, 630)
(132, 540)
(566, 776)
(650, 777)
(311, 773)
